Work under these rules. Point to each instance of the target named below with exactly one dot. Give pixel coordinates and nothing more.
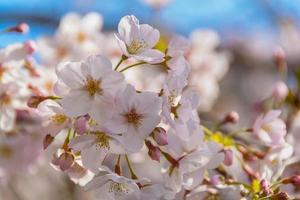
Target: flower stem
(117, 166)
(133, 176)
(133, 65)
(123, 58)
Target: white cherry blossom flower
(137, 40)
(107, 185)
(54, 117)
(135, 116)
(191, 169)
(7, 106)
(76, 38)
(270, 129)
(95, 146)
(87, 86)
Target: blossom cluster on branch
(126, 133)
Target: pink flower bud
(48, 139)
(35, 100)
(215, 180)
(265, 186)
(154, 152)
(295, 180)
(81, 125)
(279, 59)
(160, 136)
(280, 196)
(20, 28)
(30, 47)
(66, 160)
(228, 159)
(231, 117)
(280, 91)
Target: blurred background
(249, 32)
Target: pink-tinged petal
(178, 44)
(149, 34)
(82, 142)
(149, 102)
(147, 125)
(113, 82)
(70, 74)
(125, 100)
(77, 103)
(115, 146)
(128, 28)
(272, 114)
(101, 110)
(61, 89)
(193, 179)
(96, 182)
(131, 141)
(151, 56)
(116, 125)
(122, 45)
(96, 66)
(93, 157)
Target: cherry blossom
(135, 116)
(137, 40)
(94, 147)
(87, 86)
(270, 129)
(108, 185)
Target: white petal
(77, 103)
(70, 74)
(128, 28)
(149, 34)
(82, 142)
(96, 66)
(93, 157)
(147, 125)
(151, 56)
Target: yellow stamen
(118, 188)
(136, 45)
(81, 37)
(93, 86)
(102, 140)
(5, 151)
(133, 117)
(58, 119)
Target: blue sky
(233, 16)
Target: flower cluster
(121, 112)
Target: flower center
(102, 140)
(266, 127)
(61, 52)
(58, 119)
(118, 188)
(81, 37)
(5, 151)
(5, 99)
(93, 86)
(136, 45)
(133, 117)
